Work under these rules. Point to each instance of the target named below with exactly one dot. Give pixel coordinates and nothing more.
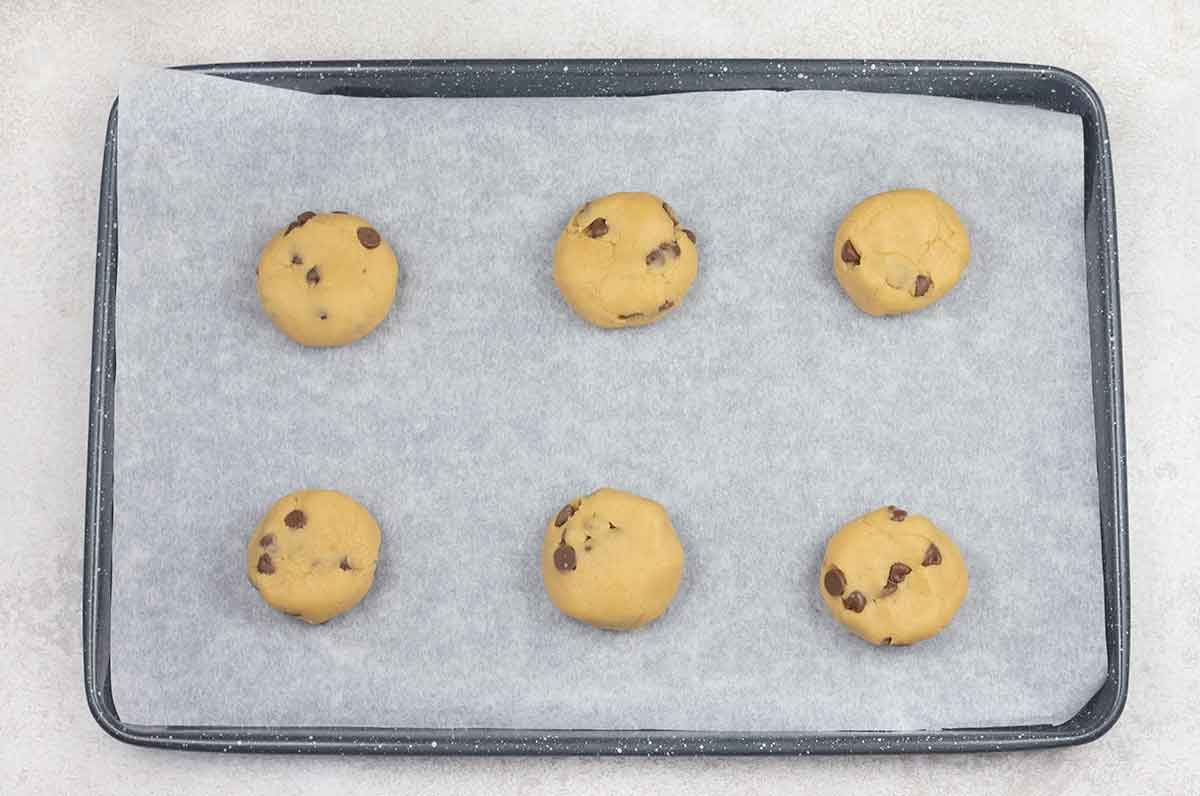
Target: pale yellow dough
(864, 569)
(327, 279)
(910, 247)
(314, 554)
(612, 559)
(625, 260)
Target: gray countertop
(62, 61)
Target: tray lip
(489, 741)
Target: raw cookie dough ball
(314, 555)
(327, 279)
(612, 559)
(899, 251)
(892, 577)
(624, 260)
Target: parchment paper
(763, 414)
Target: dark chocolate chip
(345, 563)
(295, 519)
(265, 565)
(296, 260)
(597, 228)
(564, 558)
(655, 258)
(888, 588)
(267, 540)
(887, 640)
(666, 305)
(898, 571)
(368, 237)
(324, 316)
(850, 254)
(923, 284)
(303, 218)
(630, 315)
(691, 235)
(855, 601)
(670, 213)
(933, 556)
(564, 514)
(290, 227)
(341, 212)
(313, 276)
(835, 582)
(897, 515)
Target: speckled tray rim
(1041, 86)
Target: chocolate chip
(267, 540)
(887, 640)
(313, 276)
(850, 254)
(933, 556)
(855, 602)
(835, 582)
(666, 305)
(290, 227)
(670, 213)
(265, 565)
(655, 258)
(897, 515)
(368, 237)
(341, 212)
(295, 519)
(296, 260)
(324, 316)
(303, 218)
(597, 228)
(564, 558)
(564, 514)
(888, 588)
(345, 563)
(691, 235)
(923, 284)
(630, 315)
(898, 571)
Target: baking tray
(1040, 86)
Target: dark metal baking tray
(1021, 84)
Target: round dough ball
(899, 251)
(624, 260)
(612, 559)
(327, 279)
(314, 554)
(892, 577)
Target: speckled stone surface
(64, 61)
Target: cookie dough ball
(327, 279)
(899, 251)
(892, 577)
(624, 260)
(314, 555)
(612, 559)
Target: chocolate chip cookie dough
(625, 260)
(899, 251)
(612, 559)
(314, 555)
(892, 577)
(327, 279)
